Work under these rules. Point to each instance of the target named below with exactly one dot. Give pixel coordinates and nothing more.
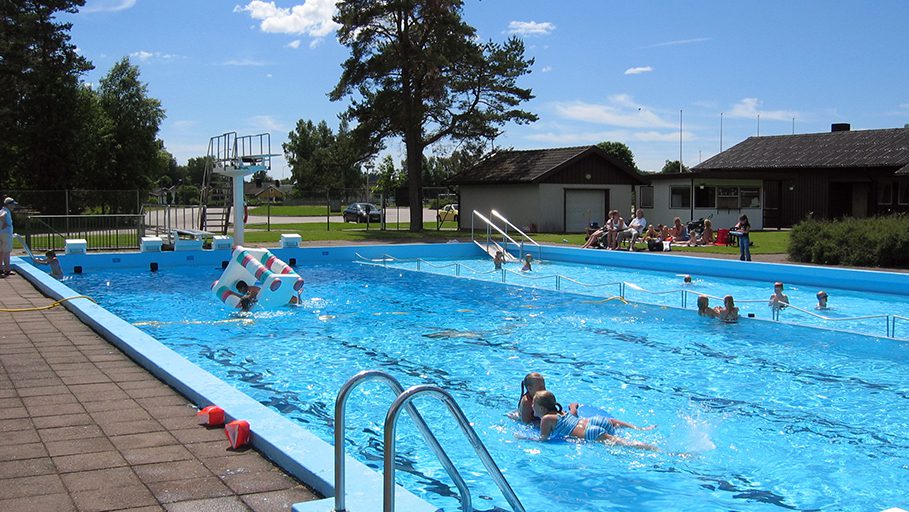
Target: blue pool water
(848, 310)
(757, 415)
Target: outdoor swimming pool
(757, 415)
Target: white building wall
(541, 205)
(723, 218)
(518, 203)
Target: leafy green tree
(672, 167)
(417, 71)
(39, 94)
(321, 160)
(132, 147)
(194, 170)
(620, 151)
(389, 178)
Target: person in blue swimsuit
(556, 424)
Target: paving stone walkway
(85, 428)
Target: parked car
(359, 212)
(448, 212)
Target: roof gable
(532, 166)
(860, 148)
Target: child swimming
(556, 424)
(534, 382)
(528, 258)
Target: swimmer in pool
(528, 258)
(778, 300)
(727, 312)
(247, 294)
(704, 308)
(532, 383)
(821, 300)
(556, 424)
(498, 260)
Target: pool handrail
(524, 236)
(391, 421)
(490, 224)
(425, 431)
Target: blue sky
(604, 70)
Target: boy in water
(821, 300)
(50, 258)
(249, 293)
(778, 300)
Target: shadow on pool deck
(86, 428)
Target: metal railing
(425, 431)
(162, 219)
(506, 238)
(103, 232)
(623, 286)
(391, 421)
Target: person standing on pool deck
(556, 424)
(6, 235)
(744, 229)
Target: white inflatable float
(276, 280)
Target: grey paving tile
(65, 420)
(30, 486)
(131, 427)
(89, 461)
(157, 454)
(100, 479)
(59, 398)
(70, 432)
(77, 446)
(36, 411)
(60, 502)
(107, 417)
(22, 451)
(43, 390)
(278, 501)
(21, 437)
(27, 467)
(245, 483)
(171, 491)
(177, 470)
(113, 498)
(227, 504)
(10, 425)
(144, 440)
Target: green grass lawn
(765, 242)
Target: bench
(189, 239)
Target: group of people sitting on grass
(616, 232)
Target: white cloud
(267, 123)
(144, 56)
(182, 124)
(107, 5)
(312, 18)
(546, 69)
(749, 108)
(294, 44)
(245, 62)
(638, 70)
(568, 138)
(680, 42)
(621, 110)
(904, 106)
(530, 28)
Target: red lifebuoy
(245, 213)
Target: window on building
(680, 197)
(646, 199)
(885, 193)
(704, 197)
(903, 196)
(750, 197)
(727, 198)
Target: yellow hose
(49, 306)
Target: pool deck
(86, 428)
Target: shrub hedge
(869, 242)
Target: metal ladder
(228, 149)
(491, 246)
(402, 402)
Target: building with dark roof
(780, 180)
(558, 190)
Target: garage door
(583, 207)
